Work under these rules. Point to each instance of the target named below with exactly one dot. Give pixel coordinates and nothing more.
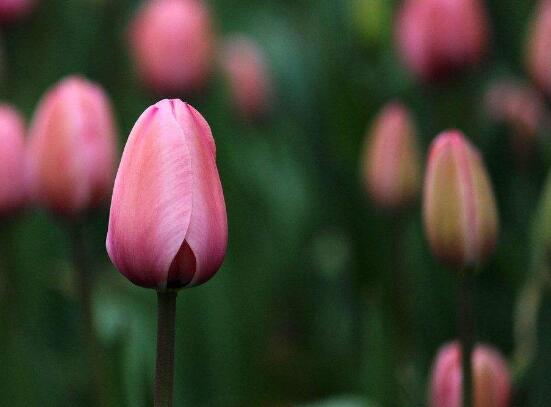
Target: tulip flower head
(522, 109)
(459, 208)
(245, 66)
(391, 163)
(11, 10)
(539, 47)
(72, 147)
(437, 38)
(173, 45)
(491, 378)
(13, 191)
(167, 225)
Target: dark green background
(301, 311)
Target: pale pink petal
(153, 198)
(207, 233)
(58, 166)
(12, 159)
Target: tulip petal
(58, 173)
(152, 198)
(207, 233)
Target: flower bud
(459, 209)
(13, 191)
(172, 44)
(437, 38)
(539, 47)
(72, 147)
(391, 164)
(11, 10)
(167, 225)
(245, 67)
(491, 378)
(522, 109)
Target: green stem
(164, 373)
(83, 286)
(466, 321)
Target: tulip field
(308, 203)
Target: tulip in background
(71, 167)
(437, 38)
(492, 381)
(461, 225)
(13, 189)
(167, 225)
(72, 147)
(391, 164)
(172, 44)
(522, 109)
(11, 10)
(459, 208)
(538, 55)
(246, 69)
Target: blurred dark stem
(164, 371)
(9, 287)
(397, 289)
(397, 304)
(466, 330)
(84, 286)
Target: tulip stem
(466, 321)
(164, 373)
(83, 285)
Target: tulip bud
(521, 108)
(72, 147)
(167, 226)
(12, 160)
(539, 47)
(172, 44)
(437, 38)
(11, 10)
(245, 66)
(391, 164)
(491, 378)
(459, 208)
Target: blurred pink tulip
(13, 191)
(437, 38)
(168, 226)
(459, 209)
(72, 147)
(491, 378)
(11, 10)
(172, 43)
(539, 47)
(391, 162)
(245, 66)
(522, 109)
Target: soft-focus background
(300, 313)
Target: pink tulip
(437, 38)
(539, 47)
(459, 209)
(13, 192)
(72, 147)
(11, 10)
(245, 66)
(168, 227)
(172, 43)
(522, 109)
(391, 162)
(491, 378)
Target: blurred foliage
(302, 310)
